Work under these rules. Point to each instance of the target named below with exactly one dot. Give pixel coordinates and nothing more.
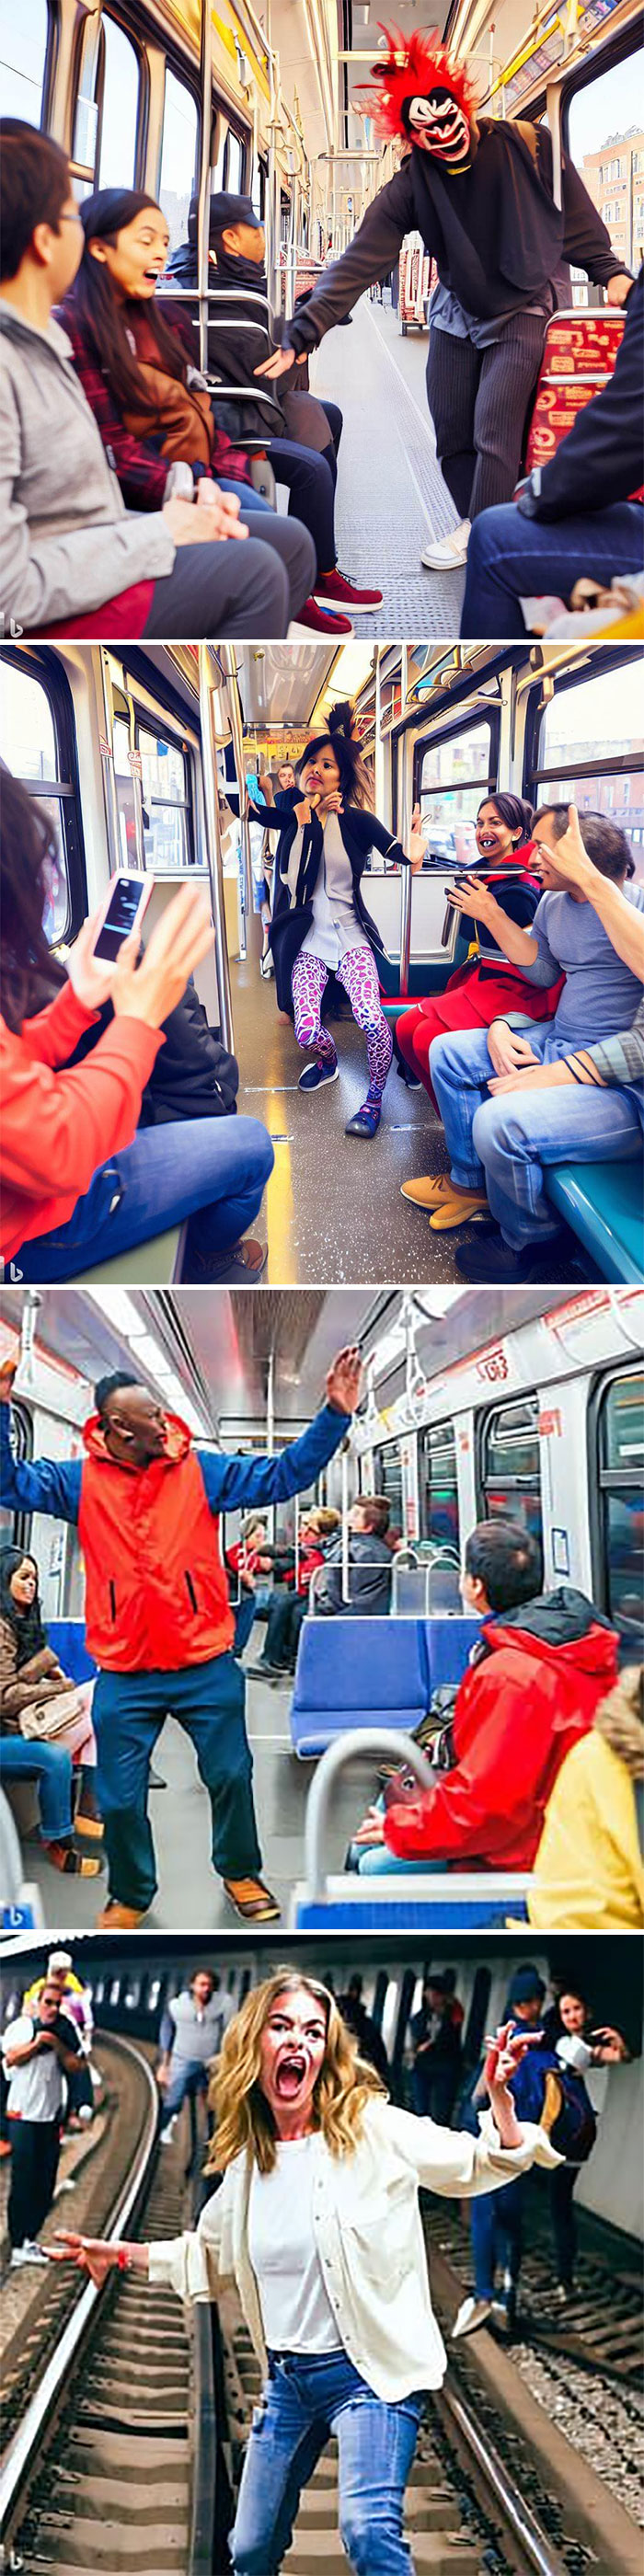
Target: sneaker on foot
(315, 1074)
(30, 2252)
(448, 554)
(168, 2134)
(366, 1121)
(472, 2313)
(321, 621)
(252, 1901)
(343, 593)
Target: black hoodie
(241, 333)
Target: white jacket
(369, 2237)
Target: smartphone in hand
(127, 899)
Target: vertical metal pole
(405, 818)
(270, 1429)
(213, 848)
(344, 1465)
(229, 664)
(107, 766)
(203, 218)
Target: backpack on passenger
(574, 2128)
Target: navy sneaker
(315, 1074)
(366, 1121)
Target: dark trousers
(34, 2166)
(510, 558)
(433, 2092)
(287, 1611)
(129, 1710)
(230, 588)
(478, 399)
(311, 487)
(562, 2184)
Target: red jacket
(156, 1595)
(57, 1126)
(518, 1711)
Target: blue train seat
(357, 1673)
(453, 1901)
(449, 1644)
(604, 1205)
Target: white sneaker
(167, 2135)
(471, 2314)
(448, 554)
(27, 2253)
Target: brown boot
(88, 1820)
(116, 1917)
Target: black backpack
(575, 2129)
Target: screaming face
(437, 124)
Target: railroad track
(601, 2327)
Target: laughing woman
(320, 922)
(318, 2223)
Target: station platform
(391, 493)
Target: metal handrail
(372, 1744)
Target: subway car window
(29, 746)
(453, 777)
(582, 728)
(388, 1480)
(23, 54)
(234, 162)
(511, 1467)
(15, 1526)
(437, 1486)
(124, 783)
(178, 157)
(166, 809)
(604, 140)
(621, 1481)
(119, 108)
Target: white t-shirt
(297, 2315)
(36, 2090)
(335, 926)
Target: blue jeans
(129, 1710)
(503, 1143)
(496, 2224)
(51, 1766)
(188, 2078)
(307, 2399)
(250, 499)
(510, 558)
(213, 1170)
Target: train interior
(476, 1405)
(286, 123)
(143, 759)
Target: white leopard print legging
(357, 972)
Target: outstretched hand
(505, 2051)
(344, 1381)
(569, 858)
(89, 2254)
(280, 362)
(417, 841)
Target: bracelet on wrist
(124, 2259)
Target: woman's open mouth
(290, 2075)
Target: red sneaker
(336, 587)
(321, 622)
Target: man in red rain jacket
(544, 1661)
(146, 1503)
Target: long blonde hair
(243, 2116)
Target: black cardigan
(292, 915)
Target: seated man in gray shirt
(192, 2030)
(499, 1147)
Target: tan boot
(457, 1209)
(118, 1918)
(426, 1193)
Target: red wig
(412, 67)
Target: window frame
(616, 50)
(45, 667)
(615, 765)
(22, 1421)
(424, 1484)
(51, 47)
(433, 740)
(114, 16)
(516, 1484)
(144, 724)
(179, 74)
(243, 137)
(377, 1454)
(605, 1480)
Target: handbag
(183, 423)
(53, 1718)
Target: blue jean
(129, 1710)
(188, 2078)
(51, 1766)
(307, 2399)
(496, 2224)
(213, 1170)
(245, 492)
(503, 1143)
(510, 558)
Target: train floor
(391, 493)
(333, 1210)
(189, 1895)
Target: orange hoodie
(57, 1126)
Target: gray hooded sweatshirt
(67, 542)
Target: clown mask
(438, 125)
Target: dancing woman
(320, 922)
(318, 2223)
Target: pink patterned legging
(357, 972)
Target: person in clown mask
(480, 191)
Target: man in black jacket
(298, 433)
(574, 517)
(480, 192)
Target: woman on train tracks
(318, 2223)
(320, 923)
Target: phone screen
(253, 786)
(120, 917)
